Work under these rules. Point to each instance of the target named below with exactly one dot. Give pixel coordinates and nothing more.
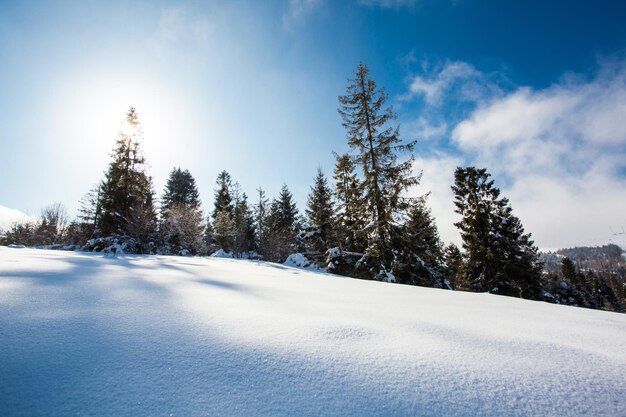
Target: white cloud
(469, 83)
(298, 10)
(558, 153)
(424, 129)
(9, 216)
(437, 178)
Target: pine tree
(126, 197)
(499, 257)
(319, 216)
(349, 205)
(180, 189)
(377, 146)
(419, 257)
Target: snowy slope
(85, 335)
(8, 216)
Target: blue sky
(534, 91)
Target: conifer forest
(358, 220)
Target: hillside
(83, 334)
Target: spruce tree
(126, 197)
(223, 198)
(224, 230)
(261, 212)
(569, 271)
(499, 257)
(419, 253)
(319, 216)
(224, 227)
(90, 205)
(377, 145)
(348, 200)
(245, 236)
(182, 225)
(180, 189)
(453, 261)
(283, 226)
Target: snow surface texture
(83, 334)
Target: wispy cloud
(558, 153)
(389, 4)
(178, 26)
(424, 128)
(297, 12)
(432, 84)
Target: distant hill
(607, 258)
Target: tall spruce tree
(319, 216)
(126, 203)
(377, 145)
(499, 257)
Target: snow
(221, 253)
(9, 216)
(84, 334)
(298, 260)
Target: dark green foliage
(568, 270)
(319, 216)
(419, 251)
(376, 145)
(453, 261)
(243, 220)
(282, 227)
(223, 198)
(350, 216)
(596, 290)
(181, 219)
(180, 190)
(499, 257)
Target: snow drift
(84, 334)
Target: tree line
(359, 222)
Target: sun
(97, 108)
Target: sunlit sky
(534, 92)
